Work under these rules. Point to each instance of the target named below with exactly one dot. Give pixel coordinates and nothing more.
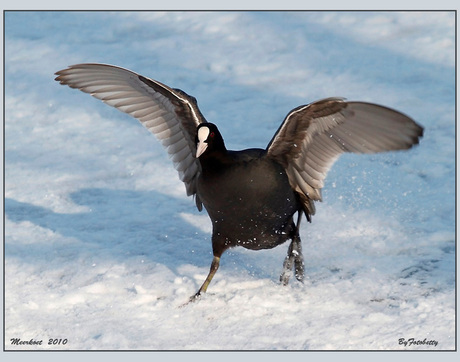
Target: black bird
(252, 195)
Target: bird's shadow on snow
(122, 224)
(117, 224)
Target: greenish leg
(212, 271)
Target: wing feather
(170, 114)
(312, 137)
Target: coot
(253, 195)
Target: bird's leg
(294, 258)
(212, 271)
(298, 259)
(287, 266)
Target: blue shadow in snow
(122, 222)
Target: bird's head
(208, 139)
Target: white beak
(201, 148)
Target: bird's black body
(248, 198)
(252, 195)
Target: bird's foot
(192, 299)
(294, 260)
(299, 268)
(287, 268)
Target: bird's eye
(211, 135)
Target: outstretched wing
(170, 114)
(312, 137)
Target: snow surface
(102, 246)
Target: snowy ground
(102, 246)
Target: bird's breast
(250, 203)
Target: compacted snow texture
(102, 246)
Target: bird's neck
(215, 161)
